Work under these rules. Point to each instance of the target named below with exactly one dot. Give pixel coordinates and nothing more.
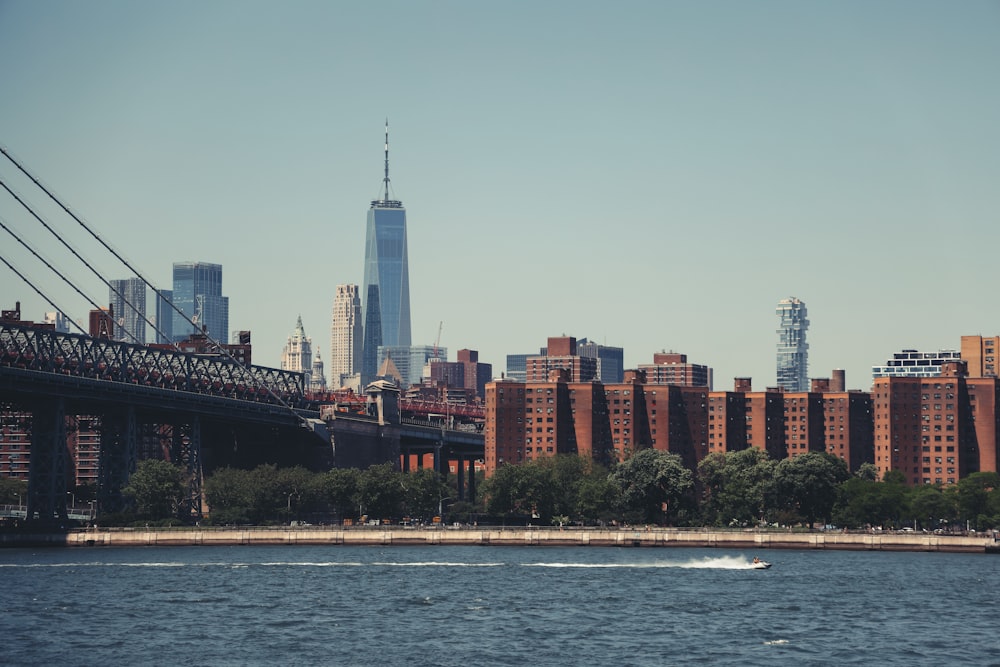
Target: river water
(432, 605)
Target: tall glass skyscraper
(164, 316)
(198, 293)
(793, 350)
(127, 297)
(610, 360)
(386, 271)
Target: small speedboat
(760, 565)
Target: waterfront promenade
(507, 536)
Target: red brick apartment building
(936, 430)
(980, 355)
(673, 368)
(528, 420)
(467, 373)
(561, 354)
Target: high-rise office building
(410, 360)
(610, 360)
(346, 336)
(517, 365)
(793, 350)
(387, 276)
(128, 302)
(164, 316)
(198, 294)
(297, 355)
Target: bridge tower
(186, 452)
(118, 457)
(47, 479)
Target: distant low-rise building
(913, 363)
(674, 368)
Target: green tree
(655, 486)
(157, 489)
(268, 499)
(807, 485)
(339, 489)
(264, 495)
(229, 494)
(737, 487)
(566, 474)
(867, 471)
(931, 506)
(423, 493)
(973, 497)
(597, 497)
(860, 503)
(380, 491)
(13, 491)
(301, 490)
(521, 491)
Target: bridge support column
(186, 453)
(460, 477)
(47, 474)
(118, 458)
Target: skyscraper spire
(386, 181)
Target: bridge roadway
(206, 410)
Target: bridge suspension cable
(215, 344)
(76, 254)
(39, 292)
(50, 267)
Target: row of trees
(744, 488)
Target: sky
(654, 176)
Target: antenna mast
(386, 160)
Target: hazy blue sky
(651, 175)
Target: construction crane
(437, 342)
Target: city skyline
(651, 176)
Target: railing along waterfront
(641, 536)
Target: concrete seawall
(492, 536)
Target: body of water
(336, 605)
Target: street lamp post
(441, 507)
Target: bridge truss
(137, 391)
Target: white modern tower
(346, 335)
(793, 350)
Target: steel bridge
(203, 410)
(139, 392)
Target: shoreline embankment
(503, 536)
